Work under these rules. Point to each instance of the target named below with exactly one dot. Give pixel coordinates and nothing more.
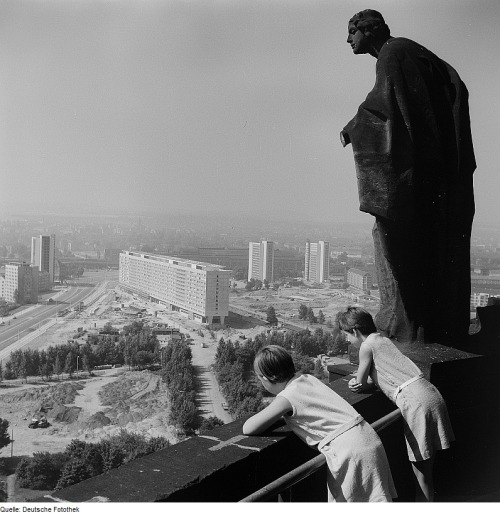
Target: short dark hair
(373, 21)
(275, 363)
(356, 318)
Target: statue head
(366, 29)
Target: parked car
(225, 406)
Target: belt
(340, 430)
(404, 385)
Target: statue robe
(414, 163)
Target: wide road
(31, 317)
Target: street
(19, 326)
(209, 399)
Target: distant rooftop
(188, 263)
(358, 271)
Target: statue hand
(344, 138)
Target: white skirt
(358, 469)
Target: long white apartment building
(199, 291)
(261, 260)
(317, 261)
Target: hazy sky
(213, 105)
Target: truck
(38, 422)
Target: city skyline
(223, 108)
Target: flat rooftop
(188, 263)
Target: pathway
(209, 399)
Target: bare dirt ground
(18, 404)
(75, 410)
(286, 302)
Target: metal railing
(309, 467)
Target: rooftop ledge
(225, 466)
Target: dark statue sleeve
(381, 144)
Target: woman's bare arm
(267, 417)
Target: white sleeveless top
(390, 368)
(317, 409)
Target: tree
(86, 363)
(42, 471)
(311, 317)
(82, 460)
(266, 284)
(107, 352)
(73, 472)
(9, 372)
(343, 258)
(45, 370)
(4, 433)
(209, 424)
(250, 285)
(271, 316)
(184, 413)
(134, 328)
(321, 317)
(4, 307)
(245, 355)
(88, 358)
(23, 368)
(144, 358)
(302, 363)
(339, 344)
(224, 355)
(302, 312)
(70, 364)
(249, 405)
(57, 366)
(108, 328)
(32, 361)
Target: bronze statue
(414, 163)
